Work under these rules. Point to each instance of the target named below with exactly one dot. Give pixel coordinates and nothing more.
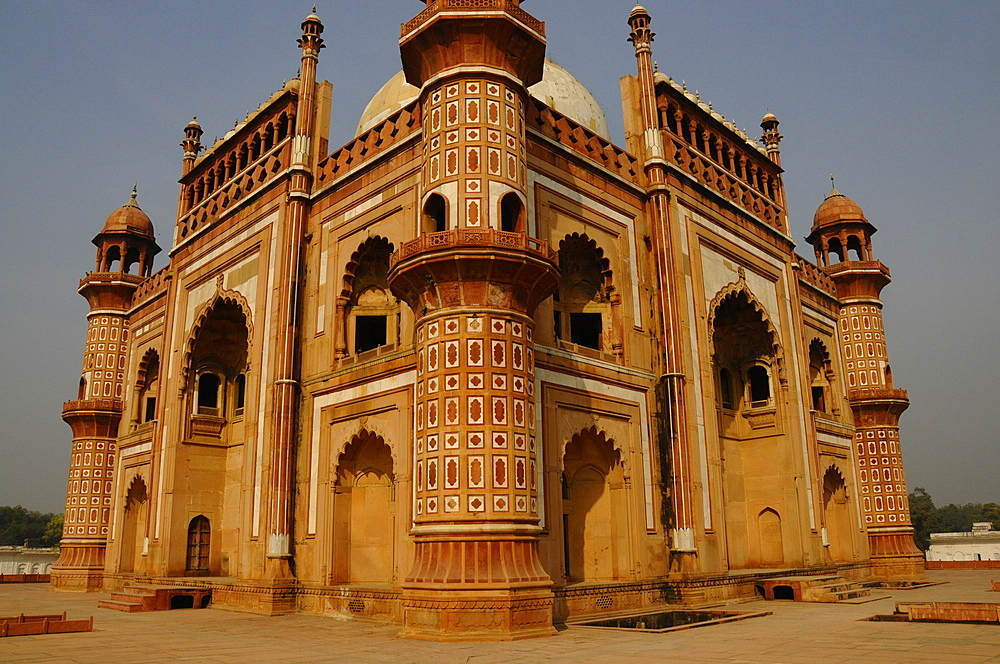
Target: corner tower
(841, 236)
(473, 277)
(125, 242)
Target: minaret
(670, 390)
(126, 241)
(841, 236)
(286, 385)
(473, 277)
(772, 143)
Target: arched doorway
(838, 516)
(199, 547)
(364, 513)
(771, 544)
(594, 507)
(134, 527)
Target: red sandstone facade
(481, 370)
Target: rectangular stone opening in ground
(669, 621)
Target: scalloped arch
(362, 435)
(599, 436)
(369, 247)
(582, 242)
(221, 296)
(150, 358)
(733, 290)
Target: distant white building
(983, 543)
(22, 560)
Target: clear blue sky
(898, 99)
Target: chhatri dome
(129, 218)
(558, 89)
(837, 209)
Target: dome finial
(135, 192)
(833, 187)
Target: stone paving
(796, 632)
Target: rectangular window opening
(585, 329)
(369, 332)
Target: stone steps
(821, 588)
(134, 598)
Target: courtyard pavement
(796, 632)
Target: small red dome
(837, 209)
(130, 219)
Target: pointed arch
(372, 249)
(367, 311)
(221, 297)
(733, 291)
(586, 306)
(600, 436)
(362, 432)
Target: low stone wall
(962, 564)
(25, 578)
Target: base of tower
(895, 557)
(85, 580)
(80, 568)
(472, 615)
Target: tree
(53, 531)
(18, 524)
(922, 511)
(951, 518)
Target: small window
(435, 214)
(511, 214)
(726, 389)
(760, 386)
(370, 332)
(819, 398)
(585, 329)
(208, 394)
(241, 393)
(150, 412)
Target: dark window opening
(369, 332)
(435, 214)
(150, 413)
(760, 386)
(565, 525)
(241, 393)
(208, 393)
(819, 398)
(82, 392)
(510, 213)
(726, 388)
(585, 329)
(784, 592)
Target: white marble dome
(558, 89)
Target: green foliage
(18, 524)
(929, 519)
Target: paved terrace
(796, 632)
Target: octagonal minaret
(841, 236)
(473, 277)
(126, 240)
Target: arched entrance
(134, 527)
(838, 516)
(364, 513)
(594, 507)
(199, 547)
(771, 542)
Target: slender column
(672, 402)
(286, 383)
(876, 406)
(94, 419)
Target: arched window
(854, 248)
(820, 375)
(511, 214)
(835, 247)
(582, 302)
(435, 214)
(372, 310)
